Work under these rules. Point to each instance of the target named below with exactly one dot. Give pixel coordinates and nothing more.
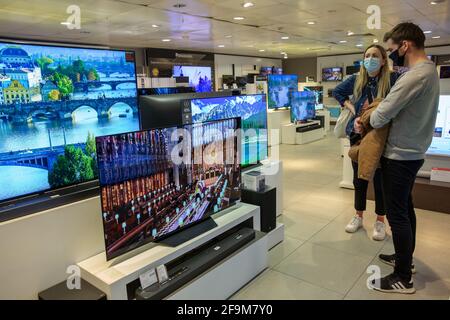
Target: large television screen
(161, 91)
(318, 92)
(157, 182)
(200, 78)
(280, 88)
(332, 74)
(441, 139)
(303, 106)
(253, 113)
(53, 102)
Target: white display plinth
(327, 115)
(275, 236)
(291, 136)
(347, 169)
(275, 120)
(273, 172)
(113, 276)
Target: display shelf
(311, 133)
(275, 236)
(327, 115)
(113, 276)
(275, 120)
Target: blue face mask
(372, 64)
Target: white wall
(242, 66)
(35, 250)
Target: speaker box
(267, 201)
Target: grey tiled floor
(318, 260)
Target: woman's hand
(357, 126)
(350, 106)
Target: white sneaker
(354, 224)
(379, 231)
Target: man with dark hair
(411, 108)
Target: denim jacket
(344, 91)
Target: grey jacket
(411, 107)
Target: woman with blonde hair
(374, 80)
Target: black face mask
(397, 59)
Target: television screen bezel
(252, 165)
(268, 90)
(147, 241)
(53, 192)
(342, 74)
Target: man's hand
(357, 126)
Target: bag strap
(369, 95)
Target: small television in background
(332, 74)
(280, 88)
(444, 72)
(200, 78)
(181, 79)
(241, 81)
(228, 80)
(318, 93)
(277, 71)
(303, 106)
(265, 71)
(251, 77)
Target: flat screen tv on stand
(253, 113)
(303, 107)
(280, 88)
(158, 182)
(54, 101)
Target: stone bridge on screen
(22, 112)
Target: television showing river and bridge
(53, 102)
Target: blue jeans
(398, 182)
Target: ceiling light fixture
(350, 33)
(221, 46)
(284, 53)
(155, 26)
(261, 50)
(311, 23)
(436, 37)
(65, 23)
(343, 41)
(238, 18)
(285, 38)
(229, 36)
(428, 32)
(433, 3)
(166, 40)
(359, 45)
(248, 4)
(375, 41)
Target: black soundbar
(182, 273)
(311, 127)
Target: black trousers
(398, 183)
(361, 191)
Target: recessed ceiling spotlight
(166, 40)
(261, 50)
(375, 41)
(65, 23)
(284, 53)
(221, 46)
(155, 26)
(229, 36)
(436, 37)
(428, 32)
(238, 18)
(436, 2)
(311, 23)
(248, 4)
(343, 41)
(285, 38)
(359, 45)
(350, 33)
(179, 5)
(285, 57)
